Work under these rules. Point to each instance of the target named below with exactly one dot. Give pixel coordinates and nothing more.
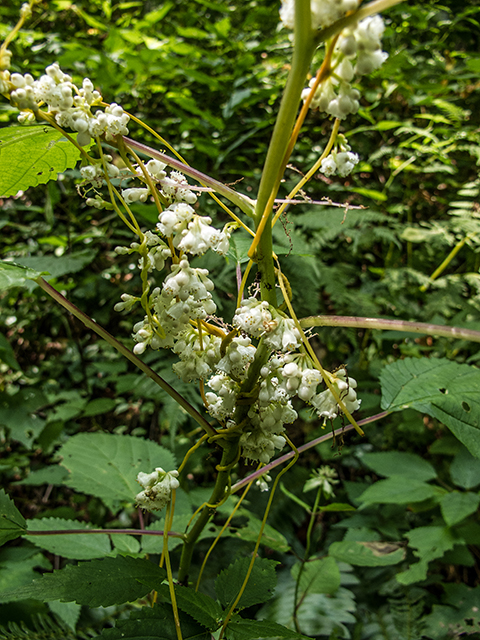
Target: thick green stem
(229, 457)
(302, 55)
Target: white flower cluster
(71, 107)
(324, 12)
(157, 489)
(258, 320)
(340, 161)
(357, 52)
(293, 375)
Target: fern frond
(44, 628)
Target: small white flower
(157, 489)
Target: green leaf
(18, 567)
(443, 389)
(460, 613)
(12, 523)
(430, 543)
(19, 414)
(260, 585)
(456, 506)
(98, 406)
(392, 463)
(367, 554)
(15, 275)
(249, 629)
(125, 543)
(106, 465)
(31, 156)
(205, 610)
(319, 575)
(6, 354)
(270, 537)
(399, 490)
(371, 193)
(74, 546)
(68, 612)
(155, 624)
(465, 469)
(98, 583)
(57, 266)
(54, 474)
(337, 506)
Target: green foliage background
(208, 76)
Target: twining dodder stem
(229, 457)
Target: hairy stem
(244, 203)
(391, 325)
(309, 445)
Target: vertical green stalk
(303, 50)
(229, 457)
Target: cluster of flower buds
(324, 12)
(71, 107)
(341, 160)
(357, 52)
(157, 489)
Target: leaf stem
(244, 203)
(131, 532)
(391, 325)
(305, 447)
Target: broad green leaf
(320, 575)
(18, 567)
(456, 506)
(98, 406)
(106, 465)
(199, 606)
(74, 546)
(460, 613)
(367, 554)
(31, 156)
(371, 193)
(125, 543)
(98, 583)
(270, 536)
(443, 389)
(248, 629)
(155, 623)
(19, 414)
(429, 543)
(54, 474)
(337, 506)
(68, 612)
(465, 469)
(12, 523)
(57, 266)
(399, 490)
(6, 354)
(15, 275)
(260, 585)
(391, 463)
